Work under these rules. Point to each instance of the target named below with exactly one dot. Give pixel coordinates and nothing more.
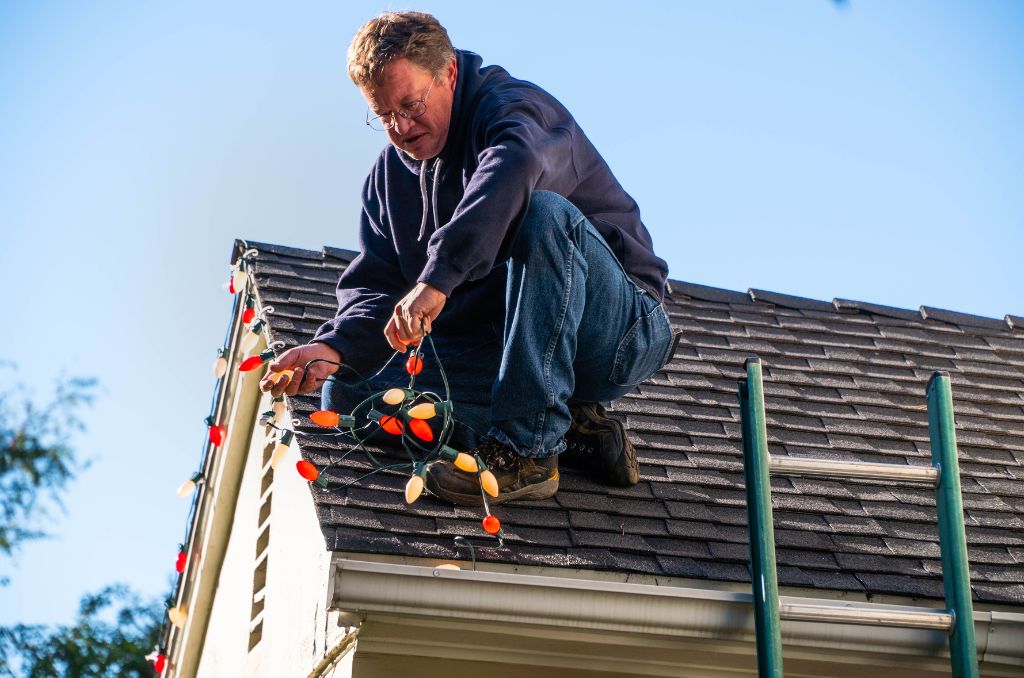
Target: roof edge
(369, 587)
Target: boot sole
(542, 490)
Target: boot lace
(497, 454)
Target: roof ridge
(722, 295)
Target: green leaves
(111, 635)
(36, 459)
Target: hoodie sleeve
(526, 146)
(367, 293)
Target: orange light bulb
(325, 418)
(466, 462)
(489, 483)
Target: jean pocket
(642, 351)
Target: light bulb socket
(287, 437)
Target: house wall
(291, 631)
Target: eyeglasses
(411, 111)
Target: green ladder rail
(944, 475)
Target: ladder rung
(841, 469)
(922, 618)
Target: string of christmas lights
(400, 412)
(404, 413)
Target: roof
(843, 380)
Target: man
(492, 223)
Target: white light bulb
(413, 489)
(249, 342)
(186, 488)
(239, 279)
(280, 450)
(177, 615)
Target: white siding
(296, 631)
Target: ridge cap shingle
(790, 300)
(708, 293)
(960, 318)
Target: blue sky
(872, 151)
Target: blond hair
(416, 36)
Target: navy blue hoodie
(450, 221)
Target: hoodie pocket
(642, 350)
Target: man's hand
(300, 380)
(421, 305)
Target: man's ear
(453, 73)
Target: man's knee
(548, 214)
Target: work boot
(602, 441)
(518, 477)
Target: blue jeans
(577, 329)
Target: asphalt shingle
(844, 380)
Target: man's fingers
(293, 385)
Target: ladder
(944, 475)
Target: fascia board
(374, 588)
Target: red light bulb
(491, 525)
(248, 314)
(391, 425)
(307, 470)
(216, 434)
(414, 365)
(182, 560)
(421, 429)
(160, 663)
(250, 363)
(231, 290)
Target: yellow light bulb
(422, 411)
(278, 376)
(239, 279)
(393, 396)
(413, 489)
(489, 483)
(178, 615)
(466, 463)
(279, 408)
(447, 566)
(220, 366)
(186, 488)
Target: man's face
(403, 84)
